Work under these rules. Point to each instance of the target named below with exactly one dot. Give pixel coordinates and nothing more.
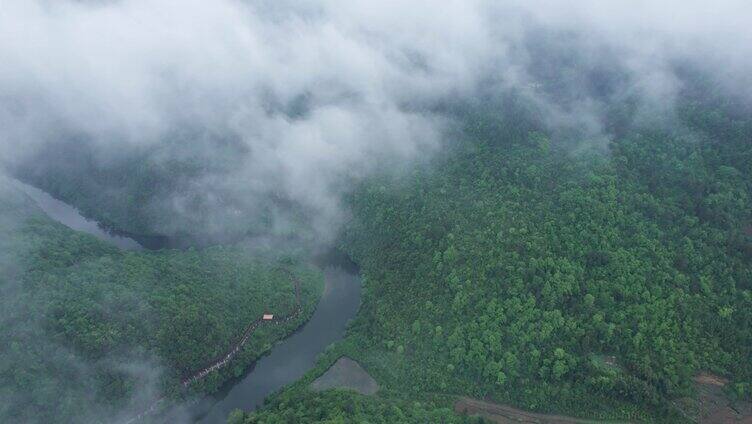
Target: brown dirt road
(504, 414)
(709, 406)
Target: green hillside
(91, 329)
(525, 272)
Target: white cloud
(321, 91)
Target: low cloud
(302, 99)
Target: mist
(270, 112)
(301, 100)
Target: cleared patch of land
(712, 405)
(504, 414)
(347, 374)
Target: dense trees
(524, 266)
(193, 196)
(512, 267)
(593, 282)
(337, 406)
(85, 325)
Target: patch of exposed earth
(712, 405)
(505, 414)
(346, 374)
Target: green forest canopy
(513, 269)
(87, 324)
(520, 260)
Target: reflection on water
(289, 360)
(69, 216)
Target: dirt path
(711, 403)
(504, 414)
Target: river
(69, 216)
(288, 359)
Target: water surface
(70, 217)
(289, 359)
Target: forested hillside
(590, 282)
(162, 190)
(515, 211)
(518, 265)
(340, 406)
(90, 330)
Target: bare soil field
(504, 414)
(711, 404)
(348, 374)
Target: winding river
(69, 216)
(288, 359)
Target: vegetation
(90, 329)
(548, 268)
(513, 267)
(341, 406)
(162, 189)
(298, 404)
(516, 263)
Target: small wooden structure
(267, 317)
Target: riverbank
(90, 316)
(292, 358)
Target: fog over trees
(242, 106)
(549, 200)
